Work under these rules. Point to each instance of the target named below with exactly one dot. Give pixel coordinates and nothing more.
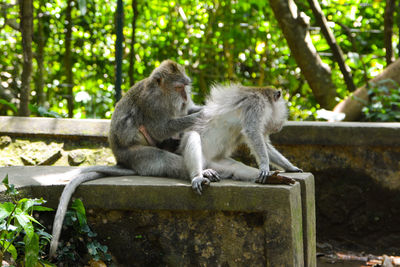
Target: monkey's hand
(195, 109)
(262, 178)
(212, 175)
(275, 178)
(197, 183)
(294, 169)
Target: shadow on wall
(356, 213)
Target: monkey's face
(174, 83)
(178, 91)
(178, 85)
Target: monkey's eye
(181, 89)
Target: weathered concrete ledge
(339, 133)
(54, 127)
(294, 133)
(232, 223)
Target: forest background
(58, 57)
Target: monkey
(235, 114)
(154, 110)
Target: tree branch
(330, 38)
(294, 25)
(388, 30)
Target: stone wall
(153, 221)
(356, 168)
(357, 180)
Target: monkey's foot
(212, 175)
(197, 183)
(275, 178)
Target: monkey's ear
(277, 95)
(157, 77)
(173, 66)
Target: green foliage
(8, 105)
(385, 102)
(83, 238)
(21, 235)
(218, 41)
(43, 112)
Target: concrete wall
(357, 175)
(356, 168)
(152, 221)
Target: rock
(99, 263)
(387, 261)
(27, 161)
(52, 158)
(5, 141)
(76, 158)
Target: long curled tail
(79, 176)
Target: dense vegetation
(218, 41)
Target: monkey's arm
(252, 125)
(173, 126)
(256, 142)
(194, 108)
(278, 159)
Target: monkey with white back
(232, 115)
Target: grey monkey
(152, 111)
(232, 115)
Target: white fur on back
(224, 117)
(223, 99)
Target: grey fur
(161, 103)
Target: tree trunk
(119, 21)
(26, 26)
(335, 48)
(294, 25)
(133, 41)
(39, 81)
(388, 30)
(68, 59)
(352, 105)
(204, 55)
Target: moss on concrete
(39, 151)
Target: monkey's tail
(81, 176)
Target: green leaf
(31, 250)
(5, 180)
(46, 263)
(77, 205)
(92, 248)
(6, 209)
(103, 248)
(33, 204)
(24, 220)
(10, 248)
(11, 191)
(10, 105)
(44, 235)
(41, 208)
(33, 219)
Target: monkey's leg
(230, 168)
(152, 161)
(193, 157)
(194, 161)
